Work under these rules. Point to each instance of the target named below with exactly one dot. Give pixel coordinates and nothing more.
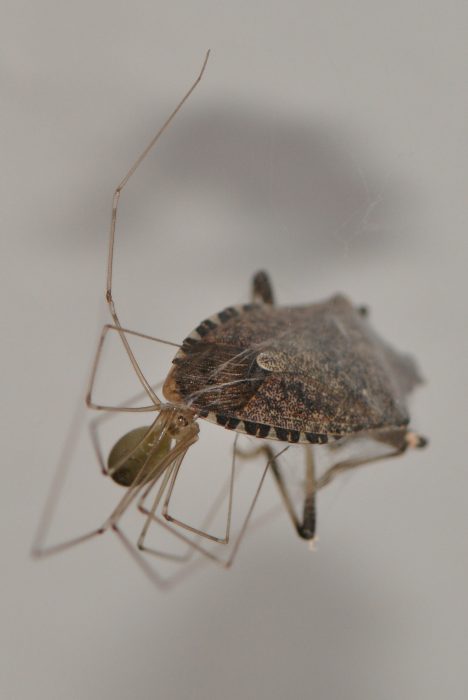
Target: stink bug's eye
(136, 456)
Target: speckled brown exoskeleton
(306, 375)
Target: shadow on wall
(287, 178)
(260, 181)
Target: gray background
(326, 143)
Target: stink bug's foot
(415, 440)
(313, 543)
(262, 290)
(306, 533)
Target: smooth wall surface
(326, 143)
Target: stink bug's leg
(309, 518)
(283, 490)
(262, 290)
(122, 408)
(349, 464)
(400, 440)
(306, 529)
(115, 205)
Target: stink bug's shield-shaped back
(310, 375)
(297, 374)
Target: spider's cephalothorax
(137, 454)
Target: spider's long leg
(38, 549)
(226, 563)
(122, 408)
(190, 528)
(115, 205)
(202, 533)
(180, 558)
(243, 529)
(262, 290)
(226, 491)
(164, 469)
(141, 561)
(143, 478)
(104, 416)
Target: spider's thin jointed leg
(115, 206)
(151, 517)
(151, 514)
(155, 462)
(123, 408)
(110, 262)
(220, 540)
(158, 459)
(194, 545)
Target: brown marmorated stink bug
(308, 375)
